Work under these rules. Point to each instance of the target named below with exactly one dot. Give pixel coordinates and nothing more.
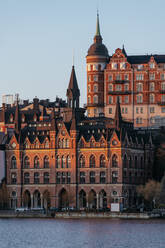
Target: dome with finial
(98, 48)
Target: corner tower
(96, 60)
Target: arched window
(110, 87)
(13, 178)
(102, 161)
(67, 143)
(139, 98)
(46, 162)
(36, 163)
(36, 145)
(59, 143)
(114, 161)
(82, 177)
(63, 162)
(139, 87)
(46, 177)
(26, 163)
(130, 162)
(63, 143)
(81, 162)
(136, 162)
(46, 144)
(36, 178)
(92, 177)
(152, 86)
(114, 176)
(92, 162)
(26, 178)
(92, 143)
(13, 163)
(57, 162)
(125, 161)
(68, 165)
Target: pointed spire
(73, 91)
(123, 51)
(97, 37)
(118, 116)
(98, 25)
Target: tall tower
(96, 60)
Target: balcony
(121, 81)
(95, 105)
(162, 91)
(126, 92)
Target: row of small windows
(95, 99)
(95, 88)
(63, 143)
(36, 162)
(26, 178)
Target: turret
(96, 59)
(73, 92)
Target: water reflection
(45, 233)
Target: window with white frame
(139, 87)
(89, 88)
(139, 76)
(139, 98)
(118, 77)
(110, 78)
(89, 99)
(95, 99)
(162, 76)
(152, 110)
(152, 98)
(163, 109)
(95, 88)
(122, 65)
(110, 99)
(163, 86)
(110, 111)
(118, 87)
(110, 87)
(114, 66)
(152, 86)
(126, 87)
(163, 98)
(152, 76)
(126, 99)
(95, 78)
(152, 65)
(89, 78)
(141, 110)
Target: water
(89, 233)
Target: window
(46, 177)
(26, 163)
(137, 110)
(122, 110)
(46, 162)
(59, 144)
(13, 163)
(66, 143)
(82, 177)
(13, 178)
(139, 77)
(114, 176)
(114, 161)
(136, 162)
(126, 110)
(163, 86)
(152, 86)
(118, 77)
(126, 87)
(110, 78)
(89, 88)
(81, 162)
(114, 66)
(102, 177)
(163, 98)
(110, 99)
(152, 65)
(110, 110)
(152, 98)
(89, 78)
(92, 177)
(122, 65)
(162, 76)
(89, 99)
(120, 99)
(118, 87)
(138, 120)
(130, 162)
(110, 87)
(139, 98)
(125, 161)
(95, 78)
(140, 67)
(163, 109)
(68, 162)
(102, 161)
(63, 177)
(141, 110)
(92, 162)
(36, 163)
(126, 99)
(47, 144)
(95, 111)
(139, 87)
(126, 77)
(95, 99)
(57, 162)
(152, 76)
(95, 88)
(68, 180)
(26, 178)
(36, 178)
(58, 177)
(63, 162)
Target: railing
(161, 103)
(121, 81)
(126, 92)
(95, 105)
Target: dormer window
(152, 65)
(122, 65)
(114, 66)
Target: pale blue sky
(37, 39)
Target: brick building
(138, 81)
(56, 156)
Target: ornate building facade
(138, 81)
(55, 156)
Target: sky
(39, 37)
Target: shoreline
(83, 215)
